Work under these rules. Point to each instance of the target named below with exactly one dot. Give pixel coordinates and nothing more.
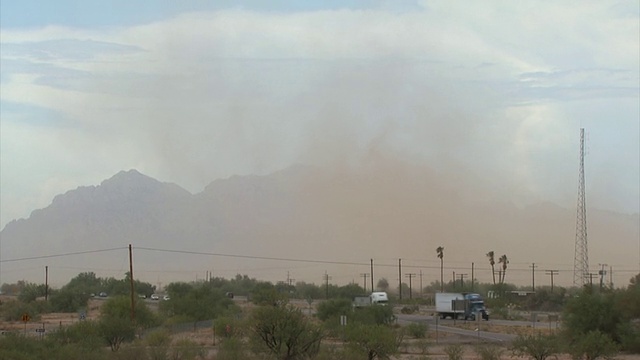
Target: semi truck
(460, 305)
(376, 298)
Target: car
(155, 297)
(229, 295)
(103, 294)
(166, 297)
(142, 296)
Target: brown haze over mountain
(312, 219)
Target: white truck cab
(379, 298)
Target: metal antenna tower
(581, 259)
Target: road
(441, 325)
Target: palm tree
(504, 261)
(492, 260)
(440, 251)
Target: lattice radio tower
(581, 259)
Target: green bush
(232, 349)
(84, 334)
(333, 309)
(537, 346)
(592, 345)
(13, 310)
(417, 330)
(489, 351)
(132, 352)
(373, 341)
(454, 351)
(630, 337)
(284, 330)
(185, 349)
(68, 300)
(374, 315)
(228, 326)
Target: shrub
(592, 345)
(537, 346)
(284, 331)
(185, 349)
(232, 349)
(374, 315)
(333, 308)
(85, 334)
(417, 330)
(489, 351)
(373, 341)
(454, 351)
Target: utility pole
(410, 290)
(400, 278)
(372, 288)
(289, 280)
(602, 273)
(611, 277)
(472, 268)
(46, 283)
(133, 296)
(326, 281)
(551, 272)
(533, 277)
(591, 275)
(364, 275)
(462, 276)
(421, 282)
(454, 279)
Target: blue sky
(78, 13)
(500, 89)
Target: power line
(256, 257)
(62, 255)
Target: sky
(193, 91)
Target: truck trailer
(376, 298)
(460, 305)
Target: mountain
(337, 219)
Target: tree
(593, 345)
(265, 293)
(440, 251)
(374, 315)
(31, 291)
(536, 346)
(85, 334)
(68, 300)
(116, 330)
(591, 312)
(373, 341)
(492, 261)
(196, 302)
(383, 284)
(504, 261)
(120, 307)
(284, 332)
(333, 308)
(85, 282)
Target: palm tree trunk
(493, 273)
(441, 277)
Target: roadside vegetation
(596, 322)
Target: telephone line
(255, 257)
(62, 255)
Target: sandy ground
(413, 349)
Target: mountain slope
(305, 213)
